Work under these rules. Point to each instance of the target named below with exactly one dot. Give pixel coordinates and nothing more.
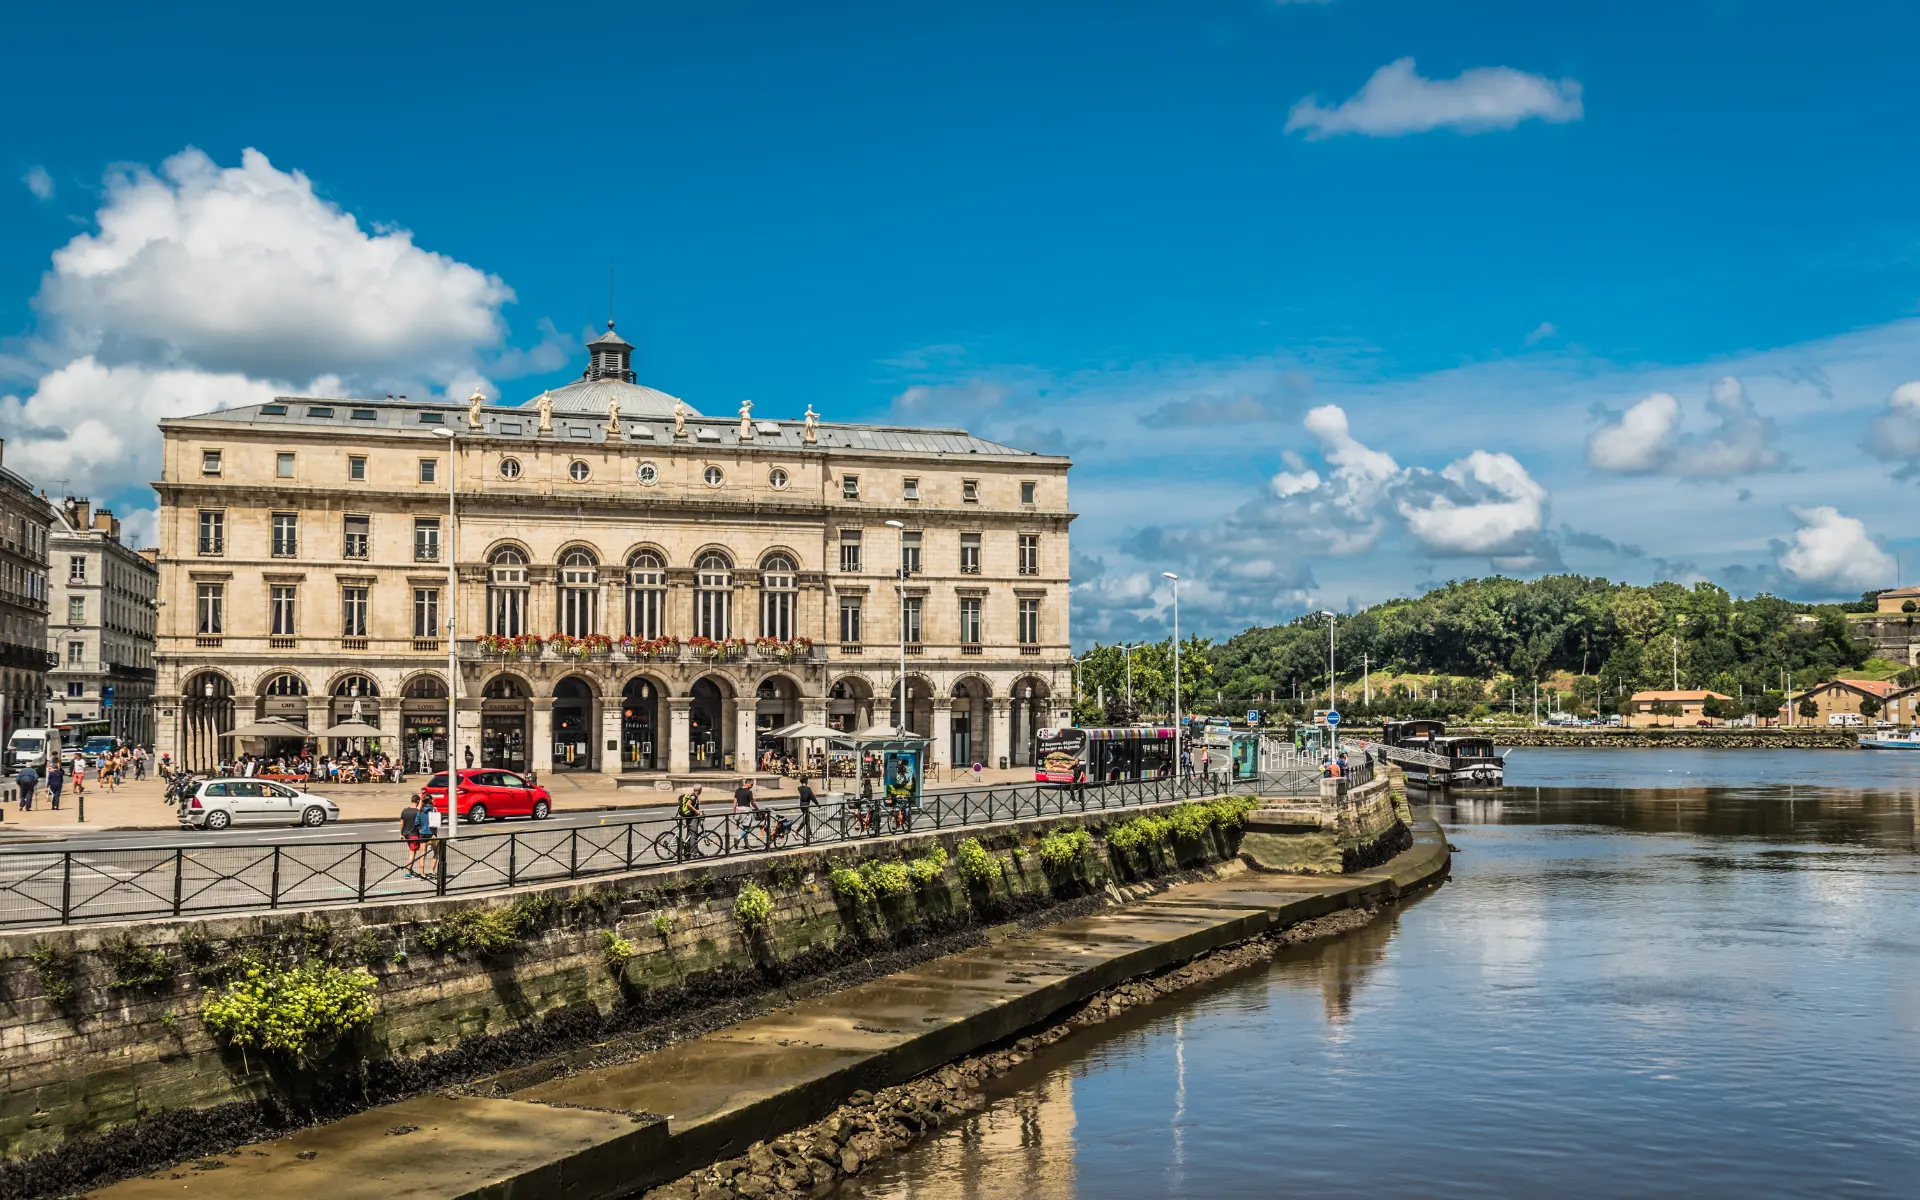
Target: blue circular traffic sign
(1333, 718)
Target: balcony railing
(470, 650)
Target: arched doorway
(850, 704)
(919, 716)
(423, 723)
(284, 697)
(1030, 706)
(505, 708)
(706, 720)
(776, 702)
(640, 740)
(355, 698)
(969, 737)
(573, 735)
(206, 713)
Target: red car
(487, 792)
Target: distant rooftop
(580, 411)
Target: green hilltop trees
(1482, 637)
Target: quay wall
(1600, 737)
(104, 1056)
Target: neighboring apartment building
(25, 519)
(1844, 696)
(101, 624)
(304, 544)
(1646, 710)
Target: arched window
(779, 596)
(285, 685)
(579, 593)
(356, 685)
(646, 595)
(507, 593)
(712, 596)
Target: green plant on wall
(1060, 850)
(753, 907)
(849, 884)
(663, 924)
(485, 931)
(887, 879)
(55, 966)
(927, 868)
(975, 866)
(135, 967)
(616, 950)
(289, 1010)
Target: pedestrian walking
(79, 774)
(27, 780)
(56, 779)
(139, 763)
(430, 819)
(806, 807)
(109, 774)
(410, 834)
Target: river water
(1654, 973)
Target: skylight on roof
(433, 418)
(319, 411)
(509, 427)
(364, 414)
(273, 410)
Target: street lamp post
(900, 725)
(1333, 704)
(453, 660)
(1179, 759)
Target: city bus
(1103, 755)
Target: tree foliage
(1467, 634)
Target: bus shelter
(901, 756)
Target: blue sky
(1328, 300)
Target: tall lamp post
(1333, 703)
(900, 572)
(453, 660)
(1179, 760)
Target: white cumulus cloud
(1398, 100)
(246, 269)
(1646, 439)
(1896, 432)
(1832, 554)
(93, 425)
(1493, 507)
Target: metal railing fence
(63, 887)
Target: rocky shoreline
(871, 1125)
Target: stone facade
(25, 523)
(102, 624)
(303, 575)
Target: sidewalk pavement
(139, 805)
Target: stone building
(710, 578)
(25, 521)
(101, 624)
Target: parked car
(489, 792)
(218, 803)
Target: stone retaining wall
(82, 1051)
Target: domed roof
(592, 395)
(609, 377)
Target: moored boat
(1892, 741)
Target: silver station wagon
(218, 803)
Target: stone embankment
(1592, 737)
(791, 1101)
(108, 1064)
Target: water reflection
(1650, 991)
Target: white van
(1843, 718)
(28, 748)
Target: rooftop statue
(613, 415)
(680, 411)
(473, 409)
(813, 426)
(545, 405)
(746, 420)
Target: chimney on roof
(78, 510)
(107, 523)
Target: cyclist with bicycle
(752, 817)
(692, 824)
